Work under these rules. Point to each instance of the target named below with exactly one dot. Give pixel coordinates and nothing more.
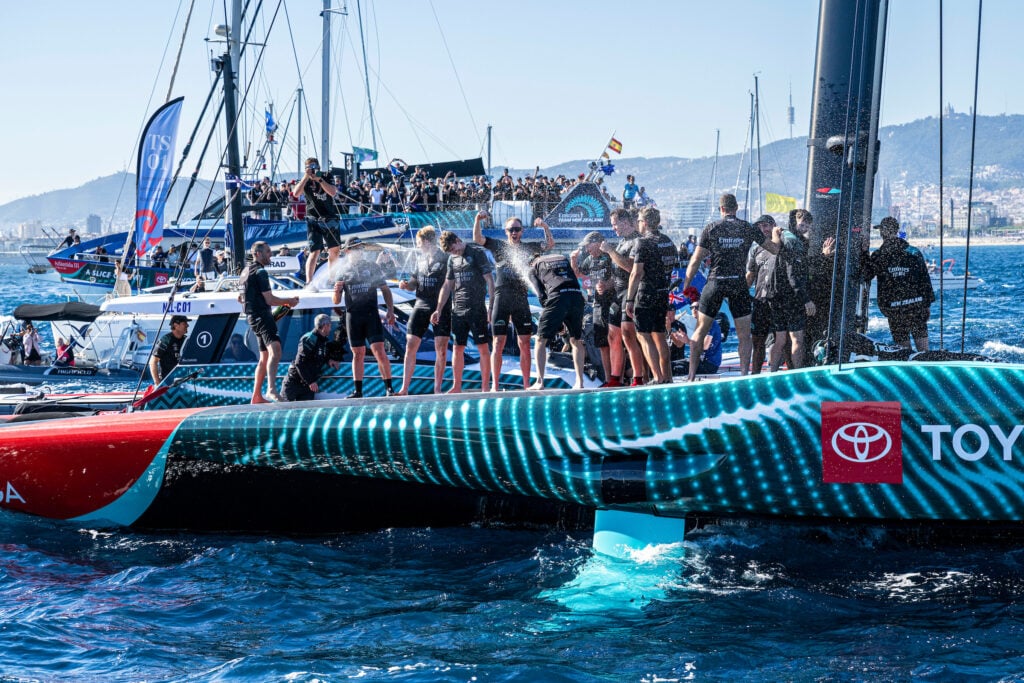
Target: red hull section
(62, 469)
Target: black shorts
(760, 319)
(564, 307)
(469, 322)
(716, 291)
(511, 305)
(651, 319)
(788, 316)
(363, 327)
(601, 316)
(617, 311)
(294, 389)
(909, 321)
(265, 328)
(321, 234)
(419, 320)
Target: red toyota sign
(861, 443)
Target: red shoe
(637, 382)
(613, 382)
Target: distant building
(93, 224)
(691, 214)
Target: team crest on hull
(861, 443)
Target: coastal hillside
(909, 159)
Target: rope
(970, 186)
(942, 233)
(444, 41)
(181, 46)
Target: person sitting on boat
(159, 257)
(101, 254)
(427, 279)
(65, 353)
(257, 300)
(711, 356)
(237, 351)
(512, 257)
(31, 344)
(358, 281)
(469, 282)
(300, 384)
(559, 292)
(167, 351)
(206, 262)
(323, 222)
(905, 293)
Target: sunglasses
(514, 228)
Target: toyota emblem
(861, 442)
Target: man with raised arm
(727, 241)
(512, 258)
(323, 224)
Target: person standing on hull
(323, 223)
(427, 279)
(647, 295)
(512, 260)
(621, 330)
(590, 261)
(559, 292)
(167, 351)
(257, 299)
(300, 384)
(358, 282)
(469, 283)
(760, 267)
(727, 242)
(905, 293)
(789, 300)
(669, 261)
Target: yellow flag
(777, 203)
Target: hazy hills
(909, 157)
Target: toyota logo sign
(861, 442)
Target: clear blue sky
(554, 78)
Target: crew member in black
(427, 280)
(760, 269)
(323, 224)
(728, 242)
(512, 260)
(300, 384)
(469, 280)
(559, 292)
(358, 280)
(590, 261)
(621, 330)
(257, 299)
(647, 295)
(905, 293)
(167, 351)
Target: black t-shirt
(728, 241)
(513, 262)
(362, 280)
(653, 285)
(552, 274)
(669, 255)
(761, 263)
(253, 282)
(626, 247)
(319, 204)
(599, 267)
(430, 273)
(468, 272)
(168, 351)
(903, 280)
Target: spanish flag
(615, 146)
(777, 203)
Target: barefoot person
(427, 280)
(559, 292)
(469, 280)
(257, 299)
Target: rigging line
(298, 72)
(444, 41)
(343, 103)
(181, 46)
(970, 184)
(743, 155)
(942, 242)
(366, 71)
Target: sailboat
(877, 442)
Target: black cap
(175, 319)
(765, 219)
(592, 238)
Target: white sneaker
(311, 288)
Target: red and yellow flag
(615, 146)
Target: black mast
(234, 168)
(843, 158)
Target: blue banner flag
(154, 174)
(361, 154)
(271, 125)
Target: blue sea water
(733, 602)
